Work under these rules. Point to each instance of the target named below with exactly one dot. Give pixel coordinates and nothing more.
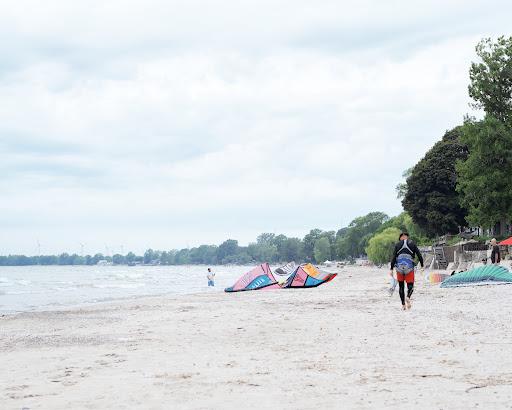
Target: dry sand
(343, 345)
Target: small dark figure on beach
(403, 262)
(495, 253)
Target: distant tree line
(317, 246)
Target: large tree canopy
(491, 78)
(485, 178)
(380, 246)
(322, 250)
(353, 242)
(431, 197)
(404, 222)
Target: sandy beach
(346, 344)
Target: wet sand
(343, 345)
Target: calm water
(29, 288)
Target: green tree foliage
(227, 251)
(485, 178)
(353, 242)
(168, 257)
(430, 196)
(182, 257)
(404, 223)
(309, 244)
(292, 250)
(268, 247)
(118, 259)
(149, 256)
(401, 188)
(491, 78)
(322, 249)
(380, 246)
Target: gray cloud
(180, 123)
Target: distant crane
(82, 250)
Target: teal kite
(483, 275)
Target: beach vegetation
(430, 196)
(380, 246)
(322, 250)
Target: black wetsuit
(495, 254)
(412, 250)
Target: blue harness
(404, 261)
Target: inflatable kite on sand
(307, 276)
(434, 277)
(259, 278)
(484, 275)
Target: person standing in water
(403, 262)
(211, 277)
(495, 253)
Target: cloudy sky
(168, 124)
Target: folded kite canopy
(259, 278)
(482, 275)
(434, 277)
(307, 276)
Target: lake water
(35, 288)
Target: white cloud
(168, 124)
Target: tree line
(317, 246)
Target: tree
(360, 230)
(309, 244)
(280, 242)
(322, 250)
(262, 251)
(96, 258)
(404, 223)
(491, 78)
(118, 259)
(227, 250)
(267, 238)
(292, 250)
(380, 246)
(64, 259)
(401, 188)
(331, 237)
(430, 196)
(130, 257)
(182, 257)
(486, 175)
(149, 256)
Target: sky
(126, 125)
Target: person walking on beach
(495, 253)
(211, 277)
(403, 262)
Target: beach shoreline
(344, 344)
